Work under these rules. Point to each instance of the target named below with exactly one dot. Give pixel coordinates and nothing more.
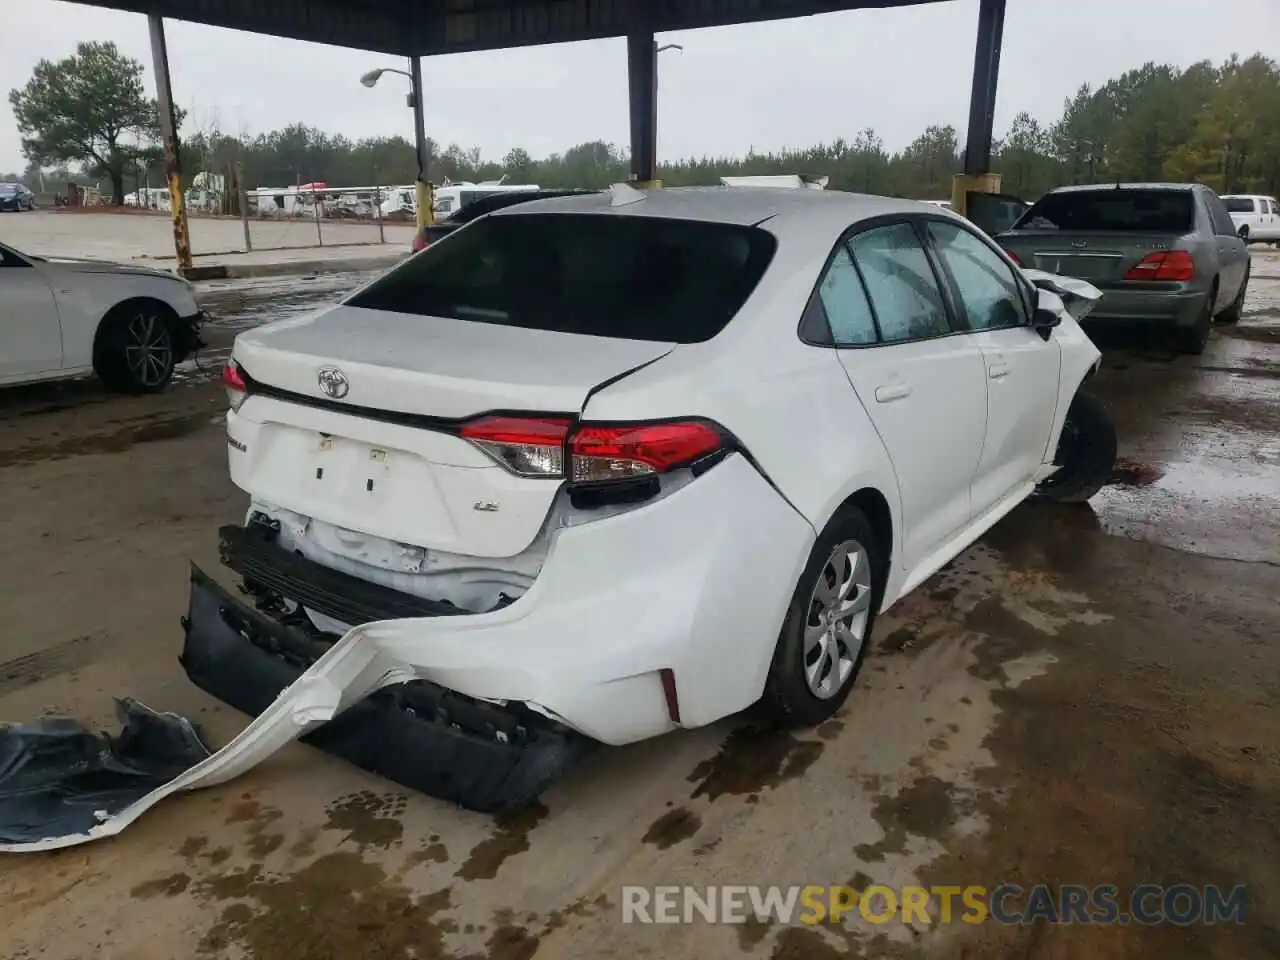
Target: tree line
(1215, 124)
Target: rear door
(1273, 220)
(920, 379)
(1233, 253)
(1022, 367)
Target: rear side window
(901, 284)
(1223, 225)
(1112, 210)
(1238, 204)
(845, 303)
(626, 277)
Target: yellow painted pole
(169, 135)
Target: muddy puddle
(117, 437)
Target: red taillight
(528, 447)
(536, 447)
(622, 452)
(1165, 265)
(1014, 257)
(234, 382)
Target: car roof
(743, 206)
(1247, 196)
(1103, 187)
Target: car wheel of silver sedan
(135, 352)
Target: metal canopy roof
(428, 27)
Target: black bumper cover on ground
(418, 734)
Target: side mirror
(1044, 320)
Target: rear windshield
(1238, 204)
(626, 277)
(1100, 211)
(475, 209)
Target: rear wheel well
(875, 508)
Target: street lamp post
(424, 199)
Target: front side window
(1238, 204)
(900, 283)
(628, 277)
(986, 285)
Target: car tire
(817, 661)
(1193, 339)
(1244, 234)
(1233, 313)
(1086, 453)
(135, 351)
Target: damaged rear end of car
(424, 475)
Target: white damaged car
(63, 318)
(597, 468)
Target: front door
(922, 383)
(1022, 368)
(30, 335)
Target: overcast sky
(791, 83)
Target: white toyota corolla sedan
(62, 318)
(613, 465)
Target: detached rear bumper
(416, 734)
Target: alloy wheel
(836, 626)
(148, 351)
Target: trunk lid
(435, 366)
(345, 459)
(1102, 258)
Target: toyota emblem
(333, 382)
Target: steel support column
(982, 98)
(169, 136)
(642, 93)
(424, 195)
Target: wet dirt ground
(1088, 696)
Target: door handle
(891, 392)
(998, 371)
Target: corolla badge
(1079, 244)
(333, 382)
